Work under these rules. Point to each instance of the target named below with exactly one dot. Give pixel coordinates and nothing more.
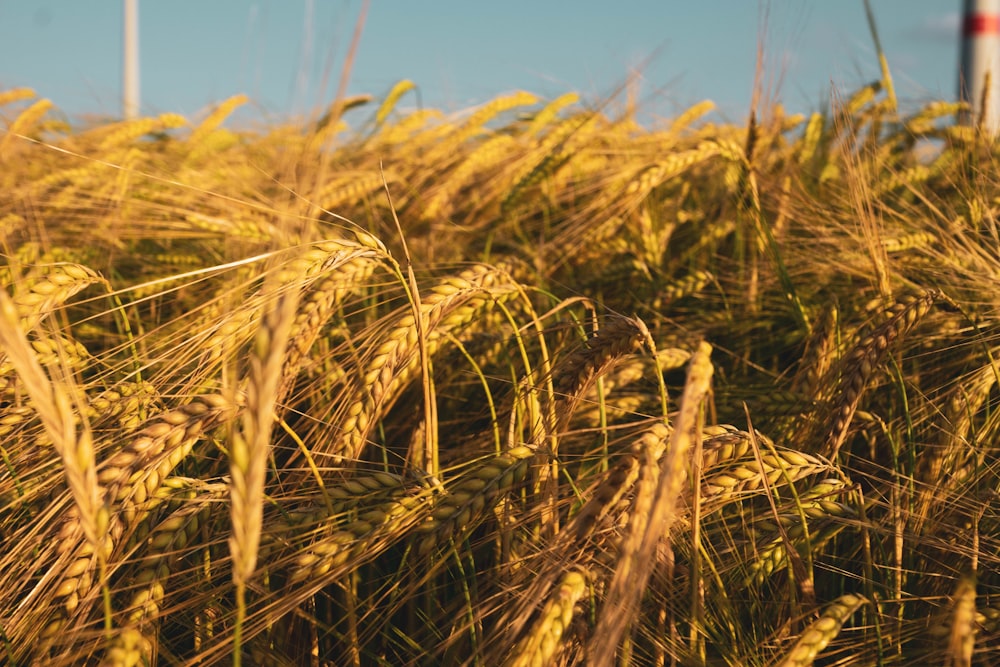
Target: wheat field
(531, 384)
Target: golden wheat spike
(962, 635)
(542, 642)
(473, 126)
(498, 105)
(549, 112)
(389, 103)
(23, 124)
(127, 131)
(866, 357)
(862, 98)
(491, 152)
(618, 337)
(822, 631)
(452, 305)
(349, 191)
(684, 120)
(53, 399)
(250, 447)
(654, 511)
(15, 95)
(811, 138)
(923, 121)
(217, 117)
(659, 172)
(402, 130)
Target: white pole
(130, 61)
(979, 80)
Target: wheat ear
(542, 642)
(165, 546)
(55, 409)
(216, 118)
(962, 637)
(23, 124)
(389, 103)
(71, 436)
(130, 477)
(648, 525)
(373, 528)
(15, 95)
(822, 631)
(575, 373)
(866, 357)
(451, 305)
(251, 446)
(41, 294)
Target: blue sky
(287, 55)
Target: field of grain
(528, 385)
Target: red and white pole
(979, 80)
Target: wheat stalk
(545, 117)
(725, 480)
(403, 130)
(343, 192)
(341, 547)
(473, 125)
(653, 175)
(690, 115)
(373, 489)
(772, 555)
